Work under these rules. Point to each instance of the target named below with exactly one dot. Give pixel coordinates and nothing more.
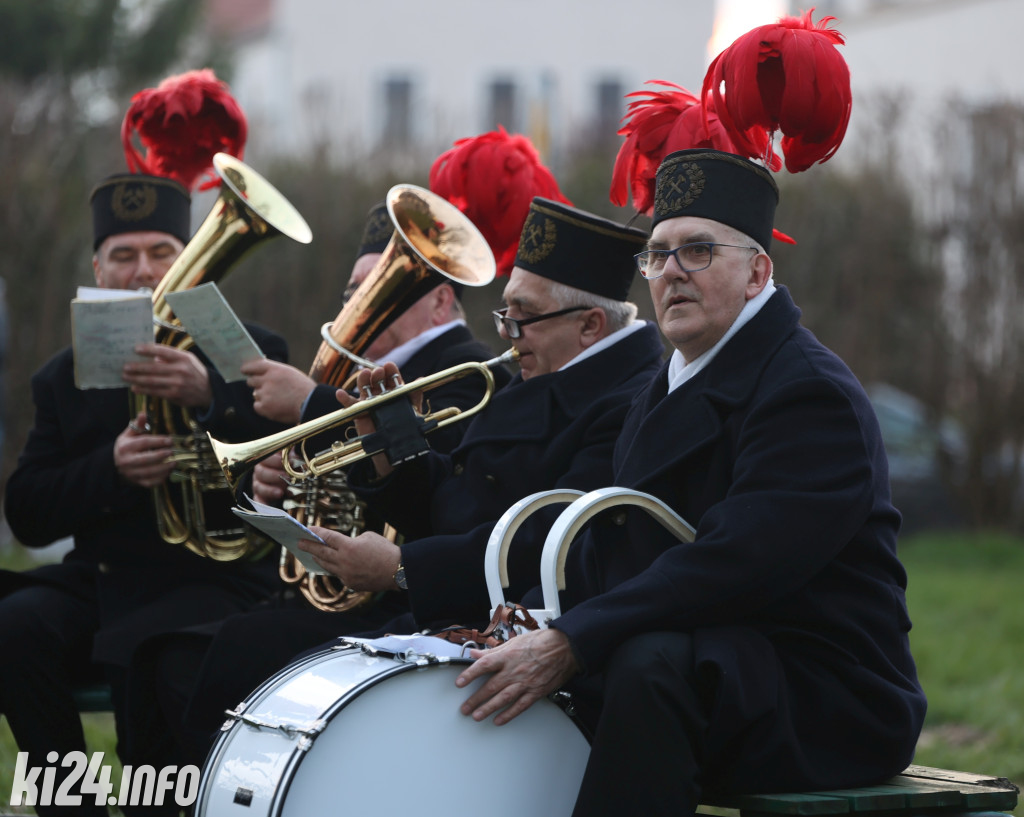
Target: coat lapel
(665, 429)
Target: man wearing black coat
(583, 357)
(772, 653)
(86, 472)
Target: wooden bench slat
(973, 797)
(802, 803)
(920, 790)
(872, 798)
(928, 794)
(953, 776)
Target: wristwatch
(399, 578)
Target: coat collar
(663, 429)
(524, 409)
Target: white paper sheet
(215, 327)
(106, 326)
(284, 529)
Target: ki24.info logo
(144, 786)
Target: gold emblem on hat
(133, 202)
(538, 239)
(679, 188)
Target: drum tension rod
(289, 730)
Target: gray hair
(620, 314)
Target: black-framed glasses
(690, 257)
(514, 326)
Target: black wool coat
(792, 590)
(549, 431)
(66, 484)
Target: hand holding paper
(282, 528)
(209, 319)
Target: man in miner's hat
(770, 653)
(87, 471)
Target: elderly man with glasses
(583, 356)
(771, 653)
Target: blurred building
(407, 78)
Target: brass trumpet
(236, 459)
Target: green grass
(966, 597)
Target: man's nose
(673, 269)
(146, 271)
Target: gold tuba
(249, 210)
(432, 240)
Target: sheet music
(284, 529)
(215, 327)
(106, 326)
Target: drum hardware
(289, 730)
(582, 508)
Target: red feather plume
(658, 123)
(181, 124)
(492, 178)
(788, 77)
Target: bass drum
(351, 731)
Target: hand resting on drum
(364, 562)
(525, 669)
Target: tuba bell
(248, 211)
(432, 241)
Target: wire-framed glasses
(690, 257)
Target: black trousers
(46, 639)
(650, 724)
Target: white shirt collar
(679, 370)
(605, 342)
(401, 354)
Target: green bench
(919, 792)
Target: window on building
(610, 106)
(397, 112)
(503, 106)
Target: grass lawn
(966, 597)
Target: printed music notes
(106, 326)
(209, 319)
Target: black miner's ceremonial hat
(579, 249)
(718, 186)
(134, 202)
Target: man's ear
(760, 273)
(594, 323)
(441, 306)
(96, 270)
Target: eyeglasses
(514, 326)
(690, 257)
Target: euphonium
(248, 211)
(432, 240)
